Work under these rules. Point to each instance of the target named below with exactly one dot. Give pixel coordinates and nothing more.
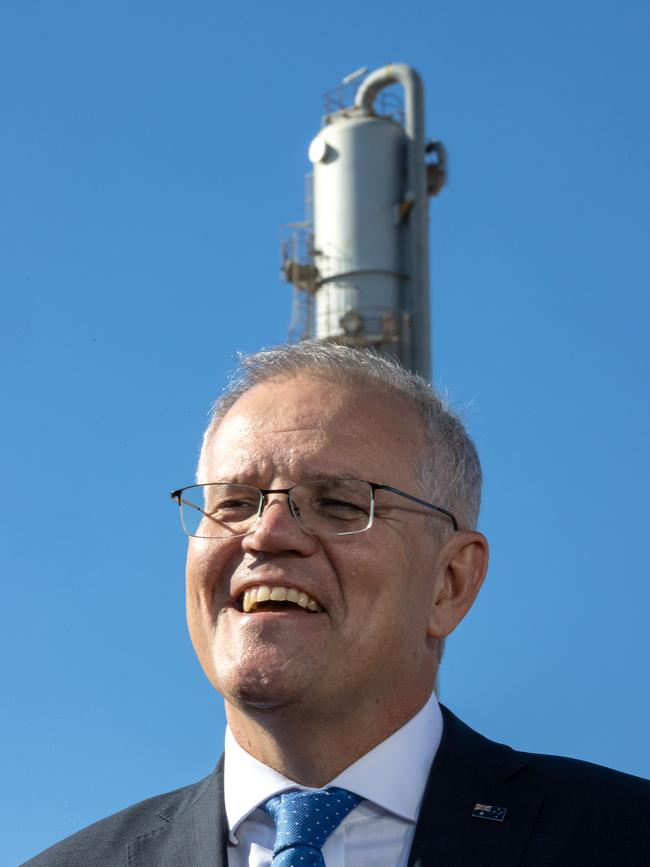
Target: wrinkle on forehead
(294, 429)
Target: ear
(462, 565)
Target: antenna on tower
(358, 73)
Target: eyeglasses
(325, 507)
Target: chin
(250, 695)
(256, 684)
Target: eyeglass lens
(331, 507)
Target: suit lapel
(469, 769)
(192, 833)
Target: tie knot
(308, 818)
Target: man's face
(370, 641)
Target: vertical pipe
(416, 295)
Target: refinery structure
(359, 261)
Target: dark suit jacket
(560, 812)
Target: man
(332, 549)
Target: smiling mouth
(264, 598)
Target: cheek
(389, 589)
(369, 578)
(357, 575)
(205, 570)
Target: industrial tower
(359, 262)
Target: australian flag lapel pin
(486, 811)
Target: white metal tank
(359, 262)
(358, 177)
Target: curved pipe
(396, 73)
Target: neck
(314, 750)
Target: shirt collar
(392, 775)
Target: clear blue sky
(149, 154)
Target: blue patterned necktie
(304, 821)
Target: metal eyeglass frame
(374, 486)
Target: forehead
(306, 427)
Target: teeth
(303, 600)
(249, 602)
(254, 595)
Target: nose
(277, 530)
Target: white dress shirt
(377, 833)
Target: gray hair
(450, 468)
